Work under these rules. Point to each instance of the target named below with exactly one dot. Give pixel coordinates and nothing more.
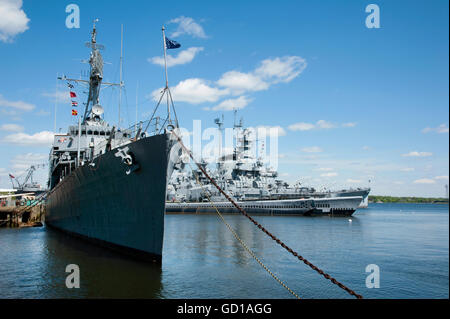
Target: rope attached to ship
(290, 250)
(243, 243)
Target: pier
(20, 216)
(22, 210)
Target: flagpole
(165, 56)
(167, 79)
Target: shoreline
(373, 199)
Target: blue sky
(353, 103)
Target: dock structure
(21, 216)
(19, 213)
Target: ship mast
(96, 74)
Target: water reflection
(104, 273)
(39, 260)
(202, 259)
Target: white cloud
(302, 126)
(312, 149)
(366, 148)
(417, 154)
(44, 138)
(18, 105)
(407, 169)
(184, 57)
(424, 181)
(270, 71)
(283, 69)
(332, 174)
(264, 130)
(443, 177)
(187, 25)
(239, 82)
(194, 91)
(353, 181)
(443, 128)
(324, 169)
(232, 104)
(322, 124)
(319, 125)
(13, 19)
(11, 128)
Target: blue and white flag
(171, 44)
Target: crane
(25, 185)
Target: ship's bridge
(83, 143)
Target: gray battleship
(253, 185)
(108, 185)
(344, 206)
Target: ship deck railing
(143, 128)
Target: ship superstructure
(245, 177)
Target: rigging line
(162, 126)
(110, 97)
(105, 98)
(243, 244)
(116, 71)
(156, 108)
(126, 102)
(147, 99)
(173, 107)
(301, 258)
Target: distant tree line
(391, 199)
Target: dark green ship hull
(104, 204)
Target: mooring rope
(243, 243)
(290, 250)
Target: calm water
(409, 242)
